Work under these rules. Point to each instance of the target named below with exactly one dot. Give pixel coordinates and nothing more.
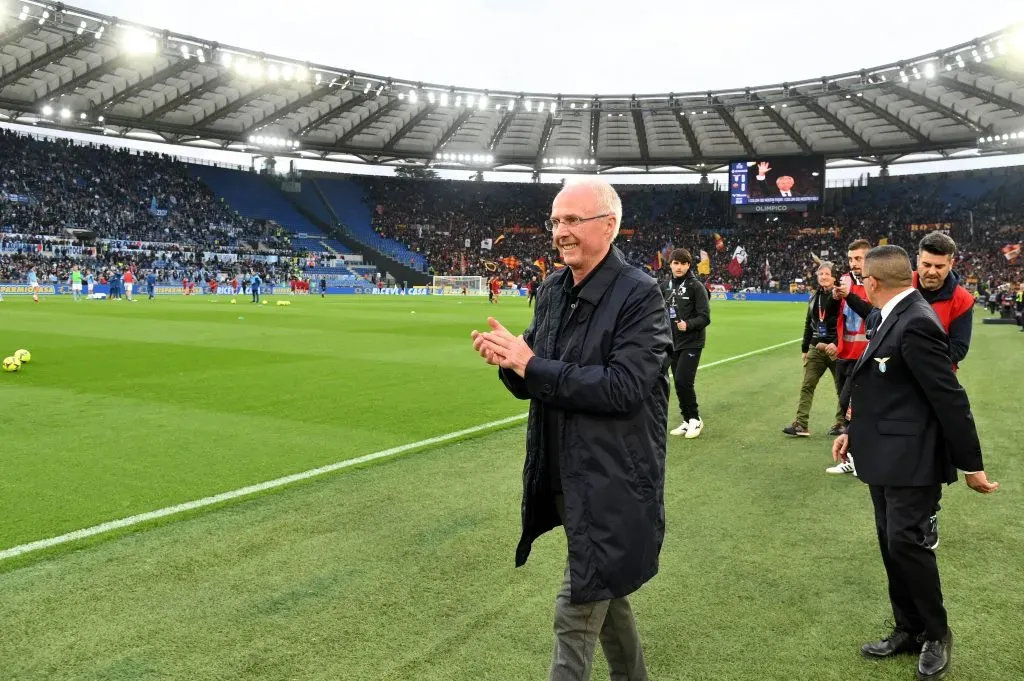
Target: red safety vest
(852, 328)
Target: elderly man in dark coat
(593, 364)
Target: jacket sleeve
(640, 347)
(701, 310)
(960, 330)
(806, 345)
(859, 305)
(924, 349)
(515, 384)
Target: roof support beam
(983, 95)
(932, 104)
(186, 97)
(288, 109)
(730, 120)
(506, 120)
(811, 102)
(545, 138)
(159, 76)
(409, 127)
(236, 105)
(781, 121)
(641, 137)
(691, 137)
(51, 56)
(595, 130)
(463, 117)
(368, 121)
(86, 78)
(331, 113)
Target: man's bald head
(890, 267)
(600, 194)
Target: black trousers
(901, 518)
(844, 367)
(684, 371)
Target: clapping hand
(500, 347)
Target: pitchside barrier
(140, 291)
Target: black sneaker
(931, 533)
(796, 430)
(837, 430)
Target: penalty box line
(276, 483)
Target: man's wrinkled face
(785, 183)
(585, 244)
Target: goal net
(451, 286)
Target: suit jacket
(912, 424)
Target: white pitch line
(289, 479)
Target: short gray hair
(607, 198)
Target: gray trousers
(578, 627)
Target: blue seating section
(348, 201)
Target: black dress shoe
(900, 641)
(935, 658)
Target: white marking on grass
(122, 523)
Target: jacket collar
(593, 287)
(890, 321)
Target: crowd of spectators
(106, 208)
(451, 222)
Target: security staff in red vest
(940, 286)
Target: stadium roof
(74, 69)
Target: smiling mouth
(568, 247)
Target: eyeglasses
(571, 221)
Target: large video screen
(777, 180)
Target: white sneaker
(693, 428)
(840, 468)
(681, 430)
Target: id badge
(671, 311)
(822, 330)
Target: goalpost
(453, 285)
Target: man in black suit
(912, 429)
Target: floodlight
(47, 110)
(101, 119)
(272, 72)
(483, 102)
(413, 97)
(184, 52)
(82, 116)
(288, 72)
(470, 101)
(65, 113)
(201, 56)
(458, 100)
(226, 59)
(490, 158)
(430, 97)
(554, 107)
(528, 105)
(444, 99)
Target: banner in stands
(932, 227)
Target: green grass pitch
(402, 569)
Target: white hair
(607, 199)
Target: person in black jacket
(593, 364)
(689, 313)
(819, 348)
(913, 429)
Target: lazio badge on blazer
(881, 363)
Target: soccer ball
(11, 364)
(23, 356)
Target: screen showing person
(796, 179)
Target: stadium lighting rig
(476, 159)
(273, 142)
(1004, 141)
(570, 162)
